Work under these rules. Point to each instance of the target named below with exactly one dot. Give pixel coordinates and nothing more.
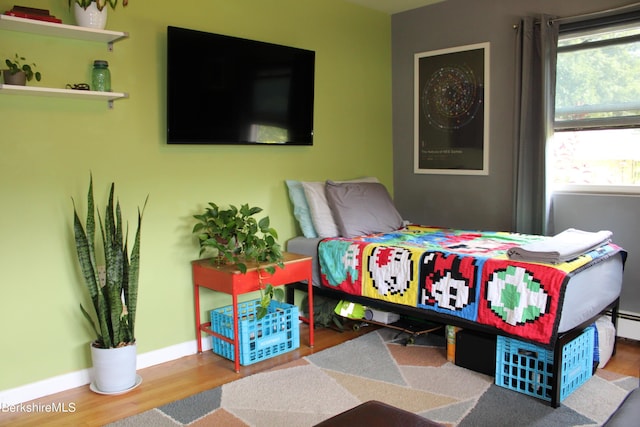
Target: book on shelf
(32, 13)
(31, 10)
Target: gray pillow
(362, 208)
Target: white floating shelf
(63, 93)
(44, 28)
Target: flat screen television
(229, 90)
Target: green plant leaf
(91, 322)
(265, 300)
(114, 259)
(264, 224)
(133, 269)
(261, 312)
(242, 267)
(273, 233)
(278, 294)
(85, 248)
(101, 4)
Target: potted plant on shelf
(20, 72)
(234, 236)
(113, 291)
(93, 13)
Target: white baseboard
(629, 326)
(71, 380)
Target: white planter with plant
(114, 369)
(114, 298)
(93, 13)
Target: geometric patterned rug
(374, 366)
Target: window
(597, 108)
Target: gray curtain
(536, 52)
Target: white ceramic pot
(114, 369)
(91, 17)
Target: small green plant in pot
(114, 298)
(236, 237)
(100, 4)
(18, 66)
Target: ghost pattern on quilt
(449, 284)
(390, 274)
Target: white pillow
(323, 221)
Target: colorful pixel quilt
(460, 273)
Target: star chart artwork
(451, 111)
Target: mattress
(307, 246)
(587, 293)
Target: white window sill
(631, 190)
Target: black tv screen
(229, 90)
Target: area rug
(417, 378)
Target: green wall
(50, 145)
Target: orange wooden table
(228, 279)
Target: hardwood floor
(192, 374)
(626, 361)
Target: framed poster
(451, 112)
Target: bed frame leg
(556, 372)
(614, 319)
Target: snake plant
(115, 298)
(100, 4)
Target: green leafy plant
(324, 313)
(269, 293)
(236, 237)
(18, 63)
(100, 4)
(114, 299)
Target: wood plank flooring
(192, 374)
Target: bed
(580, 297)
(365, 252)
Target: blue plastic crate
(528, 369)
(276, 333)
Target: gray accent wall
(486, 202)
(619, 214)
